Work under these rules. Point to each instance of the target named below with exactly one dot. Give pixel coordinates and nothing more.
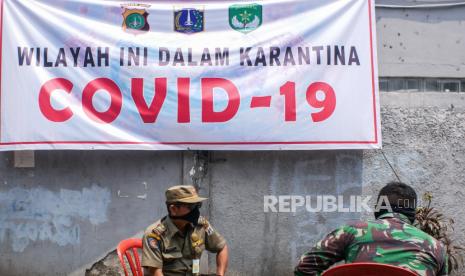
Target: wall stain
(38, 214)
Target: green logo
(135, 18)
(245, 18)
(135, 21)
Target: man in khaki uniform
(173, 245)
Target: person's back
(390, 239)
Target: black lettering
(222, 58)
(61, 58)
(244, 54)
(105, 56)
(353, 56)
(190, 62)
(317, 50)
(146, 54)
(288, 57)
(37, 56)
(303, 56)
(274, 56)
(261, 58)
(206, 57)
(121, 56)
(75, 55)
(163, 52)
(46, 62)
(178, 58)
(133, 57)
(328, 55)
(339, 55)
(24, 53)
(88, 58)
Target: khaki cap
(183, 194)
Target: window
(450, 86)
(383, 85)
(396, 84)
(413, 85)
(421, 85)
(431, 85)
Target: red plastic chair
(124, 248)
(368, 269)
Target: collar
(171, 228)
(399, 216)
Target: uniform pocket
(169, 256)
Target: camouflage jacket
(391, 239)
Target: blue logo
(189, 20)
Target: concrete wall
(73, 207)
(421, 42)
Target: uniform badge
(135, 18)
(189, 20)
(209, 230)
(153, 243)
(245, 18)
(195, 266)
(206, 225)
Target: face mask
(192, 216)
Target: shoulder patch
(206, 225)
(153, 243)
(157, 232)
(203, 221)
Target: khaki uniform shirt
(164, 246)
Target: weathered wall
(421, 42)
(73, 207)
(424, 141)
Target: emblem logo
(153, 243)
(135, 18)
(245, 18)
(189, 20)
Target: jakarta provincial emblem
(189, 20)
(245, 18)
(135, 18)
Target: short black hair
(399, 194)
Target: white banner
(289, 74)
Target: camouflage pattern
(165, 247)
(390, 239)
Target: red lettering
(184, 115)
(116, 100)
(208, 114)
(150, 113)
(288, 91)
(45, 95)
(328, 104)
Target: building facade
(69, 209)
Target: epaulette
(206, 225)
(203, 221)
(157, 232)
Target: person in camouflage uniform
(173, 245)
(390, 239)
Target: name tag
(195, 266)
